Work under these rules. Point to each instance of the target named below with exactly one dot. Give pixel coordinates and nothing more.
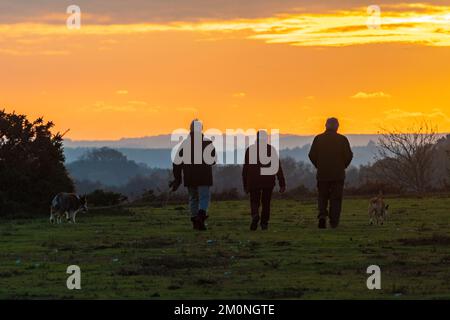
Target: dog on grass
(378, 210)
(68, 204)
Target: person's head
(332, 124)
(262, 136)
(196, 126)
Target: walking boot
(322, 223)
(195, 223)
(254, 224)
(202, 216)
(334, 224)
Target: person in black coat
(258, 177)
(331, 154)
(193, 164)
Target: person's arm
(214, 154)
(313, 153)
(177, 169)
(348, 154)
(280, 177)
(209, 151)
(245, 171)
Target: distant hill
(160, 158)
(153, 158)
(151, 142)
(362, 155)
(163, 142)
(107, 166)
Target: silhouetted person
(258, 176)
(331, 155)
(193, 165)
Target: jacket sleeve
(177, 167)
(313, 153)
(348, 154)
(214, 154)
(209, 146)
(245, 170)
(280, 176)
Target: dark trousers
(330, 192)
(261, 196)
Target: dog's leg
(70, 217)
(74, 216)
(51, 215)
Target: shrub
(101, 198)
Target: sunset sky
(138, 68)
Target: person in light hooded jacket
(193, 166)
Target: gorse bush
(31, 165)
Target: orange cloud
(401, 23)
(370, 95)
(399, 114)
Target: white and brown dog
(378, 209)
(68, 204)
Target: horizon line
(281, 134)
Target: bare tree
(406, 158)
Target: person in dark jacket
(258, 176)
(331, 154)
(193, 164)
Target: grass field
(152, 253)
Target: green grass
(152, 253)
